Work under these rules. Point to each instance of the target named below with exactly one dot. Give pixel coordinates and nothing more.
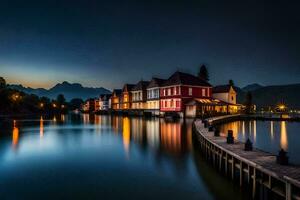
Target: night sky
(108, 43)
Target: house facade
(104, 102)
(179, 89)
(225, 93)
(223, 101)
(116, 99)
(127, 96)
(89, 106)
(139, 95)
(153, 95)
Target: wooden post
(241, 173)
(254, 183)
(249, 174)
(232, 168)
(220, 160)
(288, 191)
(226, 164)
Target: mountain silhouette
(69, 90)
(265, 96)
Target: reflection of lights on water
(54, 119)
(41, 127)
(171, 136)
(250, 127)
(243, 128)
(272, 129)
(15, 135)
(63, 118)
(283, 136)
(126, 134)
(153, 132)
(86, 118)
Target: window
(203, 92)
(164, 92)
(175, 90)
(190, 91)
(169, 91)
(166, 105)
(232, 98)
(177, 104)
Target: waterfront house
(180, 88)
(116, 99)
(139, 95)
(223, 101)
(227, 94)
(153, 100)
(89, 105)
(127, 96)
(96, 104)
(104, 102)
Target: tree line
(16, 102)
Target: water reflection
(283, 136)
(126, 134)
(268, 135)
(15, 135)
(272, 129)
(73, 152)
(41, 127)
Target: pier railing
(254, 167)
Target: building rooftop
(156, 82)
(222, 89)
(117, 92)
(128, 87)
(181, 78)
(142, 85)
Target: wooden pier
(254, 168)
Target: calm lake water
(269, 136)
(105, 157)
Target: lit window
(190, 91)
(169, 91)
(203, 92)
(175, 91)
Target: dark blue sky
(108, 43)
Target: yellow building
(139, 96)
(153, 100)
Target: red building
(179, 89)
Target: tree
(2, 83)
(249, 103)
(231, 83)
(61, 99)
(75, 103)
(203, 73)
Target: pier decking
(251, 167)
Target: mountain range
(69, 90)
(265, 96)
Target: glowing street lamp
(54, 105)
(281, 107)
(41, 105)
(15, 97)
